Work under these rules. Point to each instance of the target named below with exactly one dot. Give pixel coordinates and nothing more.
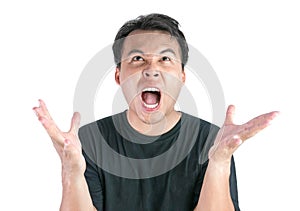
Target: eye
(137, 58)
(165, 58)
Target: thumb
(75, 122)
(229, 115)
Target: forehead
(150, 41)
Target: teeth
(151, 89)
(150, 106)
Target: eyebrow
(168, 50)
(141, 52)
(135, 51)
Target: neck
(153, 129)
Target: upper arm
(87, 135)
(94, 183)
(232, 183)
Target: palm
(231, 136)
(67, 144)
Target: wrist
(71, 177)
(219, 167)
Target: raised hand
(67, 144)
(231, 136)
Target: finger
(49, 124)
(257, 124)
(272, 116)
(52, 130)
(41, 116)
(229, 115)
(75, 122)
(44, 109)
(40, 112)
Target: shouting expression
(150, 74)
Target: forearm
(76, 196)
(215, 192)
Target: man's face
(151, 74)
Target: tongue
(150, 98)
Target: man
(150, 54)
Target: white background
(253, 46)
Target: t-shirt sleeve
(232, 183)
(87, 135)
(233, 186)
(94, 184)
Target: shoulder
(95, 129)
(100, 124)
(203, 125)
(93, 135)
(203, 132)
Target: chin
(150, 116)
(153, 117)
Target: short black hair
(154, 21)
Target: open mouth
(151, 98)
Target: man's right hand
(75, 195)
(67, 144)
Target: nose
(151, 74)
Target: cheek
(170, 98)
(123, 76)
(174, 72)
(129, 74)
(173, 84)
(129, 85)
(130, 94)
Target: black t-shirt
(129, 171)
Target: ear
(183, 76)
(117, 76)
